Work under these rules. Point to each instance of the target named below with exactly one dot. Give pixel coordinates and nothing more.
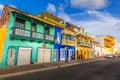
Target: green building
(27, 38)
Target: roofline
(30, 15)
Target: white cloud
(96, 22)
(1, 7)
(89, 4)
(51, 8)
(103, 16)
(102, 24)
(64, 16)
(61, 8)
(117, 26)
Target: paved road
(101, 70)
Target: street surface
(108, 69)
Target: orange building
(109, 43)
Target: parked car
(118, 55)
(109, 56)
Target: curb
(44, 69)
(76, 63)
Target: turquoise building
(28, 39)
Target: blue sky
(100, 17)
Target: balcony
(21, 32)
(68, 31)
(108, 45)
(37, 35)
(68, 42)
(24, 34)
(80, 43)
(49, 37)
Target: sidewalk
(23, 68)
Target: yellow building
(109, 44)
(83, 43)
(66, 34)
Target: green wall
(18, 43)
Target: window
(68, 37)
(47, 30)
(11, 52)
(62, 53)
(33, 27)
(19, 23)
(58, 36)
(82, 30)
(71, 38)
(64, 37)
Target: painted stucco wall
(19, 43)
(59, 46)
(2, 39)
(84, 50)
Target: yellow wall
(84, 50)
(2, 38)
(66, 31)
(109, 42)
(110, 50)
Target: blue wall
(59, 46)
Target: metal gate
(43, 55)
(24, 56)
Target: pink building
(99, 51)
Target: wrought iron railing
(37, 35)
(29, 34)
(67, 42)
(22, 32)
(49, 37)
(84, 43)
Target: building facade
(108, 42)
(28, 39)
(64, 47)
(97, 50)
(83, 43)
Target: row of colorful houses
(27, 39)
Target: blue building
(64, 47)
